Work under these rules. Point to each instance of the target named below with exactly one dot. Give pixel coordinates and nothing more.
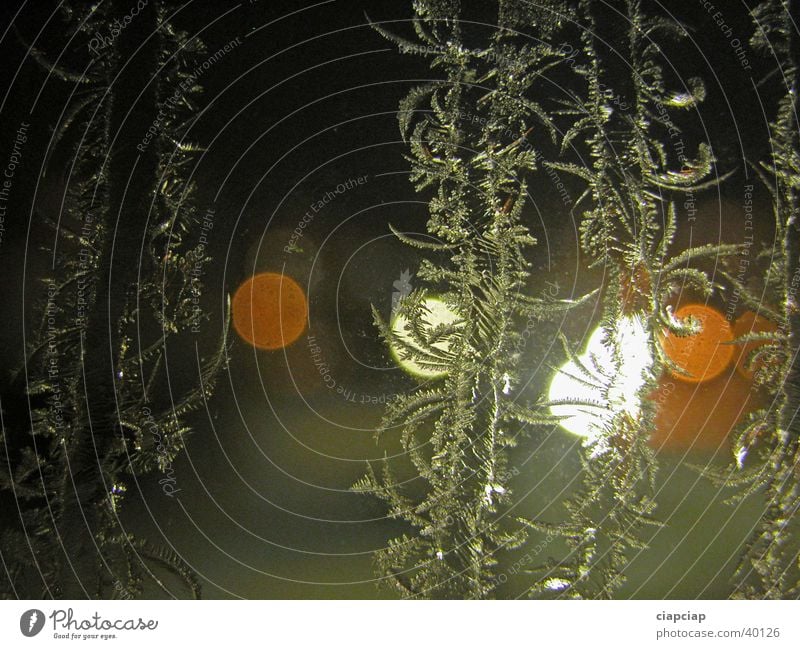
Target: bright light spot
(600, 389)
(437, 313)
(491, 489)
(555, 584)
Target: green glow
(438, 313)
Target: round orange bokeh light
(270, 311)
(704, 355)
(699, 415)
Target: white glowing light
(606, 390)
(740, 457)
(555, 584)
(491, 489)
(437, 313)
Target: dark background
(307, 101)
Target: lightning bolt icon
(32, 621)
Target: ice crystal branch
(628, 226)
(109, 315)
(472, 137)
(617, 135)
(770, 566)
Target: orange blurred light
(698, 414)
(704, 355)
(270, 311)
